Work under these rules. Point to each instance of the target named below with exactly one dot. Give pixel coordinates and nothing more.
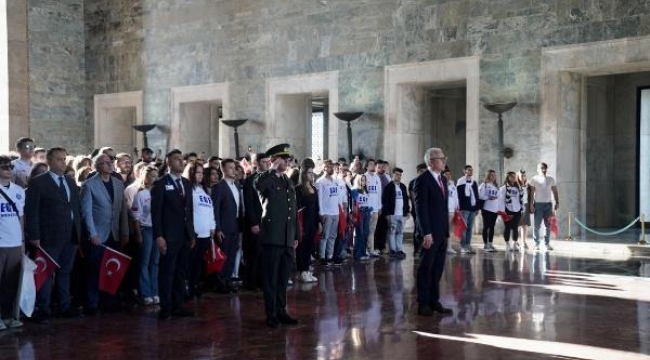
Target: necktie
(62, 189)
(440, 183)
(180, 187)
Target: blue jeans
(361, 233)
(149, 264)
(468, 216)
(543, 211)
(396, 233)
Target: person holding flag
(12, 203)
(53, 223)
(105, 214)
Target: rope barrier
(606, 233)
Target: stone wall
(154, 45)
(57, 93)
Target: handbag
(214, 259)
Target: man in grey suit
(104, 212)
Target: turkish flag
(301, 223)
(112, 270)
(214, 259)
(505, 216)
(45, 267)
(342, 222)
(552, 221)
(459, 225)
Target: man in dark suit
(278, 235)
(431, 209)
(172, 217)
(253, 219)
(228, 210)
(53, 222)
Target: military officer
(278, 234)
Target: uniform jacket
(279, 224)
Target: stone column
(14, 82)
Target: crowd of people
(276, 220)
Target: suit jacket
(388, 199)
(102, 216)
(47, 212)
(279, 223)
(431, 207)
(172, 215)
(252, 203)
(225, 208)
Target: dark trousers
(64, 255)
(197, 264)
(172, 274)
(94, 256)
(304, 249)
(417, 237)
(380, 233)
(230, 246)
(430, 271)
(10, 268)
(251, 250)
(512, 226)
(489, 220)
(276, 264)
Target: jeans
(543, 211)
(149, 264)
(374, 217)
(468, 216)
(396, 232)
(361, 233)
(330, 229)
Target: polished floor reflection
(506, 306)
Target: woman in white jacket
(511, 202)
(452, 204)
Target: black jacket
(47, 213)
(172, 215)
(388, 199)
(225, 208)
(252, 204)
(465, 202)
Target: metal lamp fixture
(349, 117)
(500, 108)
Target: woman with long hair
(362, 211)
(488, 192)
(204, 225)
(524, 223)
(141, 212)
(511, 202)
(307, 202)
(211, 177)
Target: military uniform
(278, 233)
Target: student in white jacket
(511, 202)
(453, 205)
(488, 191)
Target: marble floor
(506, 306)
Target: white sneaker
(147, 301)
(156, 300)
(509, 247)
(487, 248)
(464, 250)
(304, 276)
(312, 277)
(450, 250)
(537, 248)
(517, 248)
(289, 282)
(2, 325)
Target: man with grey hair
(431, 209)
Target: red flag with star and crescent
(112, 270)
(45, 267)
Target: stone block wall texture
(57, 94)
(154, 45)
(108, 46)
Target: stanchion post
(643, 240)
(569, 237)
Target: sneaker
(312, 278)
(156, 300)
(147, 301)
(364, 258)
(12, 323)
(374, 253)
(549, 247)
(392, 254)
(492, 247)
(289, 282)
(450, 250)
(487, 248)
(516, 247)
(525, 245)
(465, 250)
(401, 254)
(304, 277)
(3, 326)
(337, 262)
(471, 250)
(537, 248)
(509, 247)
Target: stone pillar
(14, 81)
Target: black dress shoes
(442, 310)
(425, 310)
(287, 320)
(272, 323)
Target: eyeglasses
(444, 159)
(28, 147)
(7, 167)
